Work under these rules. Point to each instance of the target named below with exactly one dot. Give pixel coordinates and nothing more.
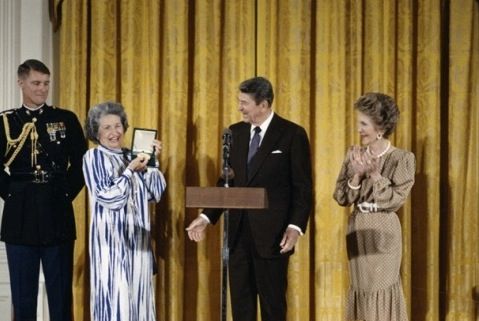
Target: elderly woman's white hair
(92, 122)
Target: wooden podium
(226, 198)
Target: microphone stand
(225, 250)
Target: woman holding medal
(376, 179)
(121, 257)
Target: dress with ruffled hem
(374, 239)
(384, 304)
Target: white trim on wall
(25, 33)
(9, 53)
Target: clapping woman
(375, 179)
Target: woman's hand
(139, 163)
(357, 161)
(372, 166)
(157, 145)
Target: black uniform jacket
(282, 165)
(38, 208)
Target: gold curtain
(176, 64)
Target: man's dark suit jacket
(282, 165)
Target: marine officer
(41, 148)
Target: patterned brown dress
(374, 241)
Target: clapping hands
(362, 162)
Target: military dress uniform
(42, 154)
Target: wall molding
(25, 33)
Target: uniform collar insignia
(36, 111)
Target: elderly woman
(121, 258)
(376, 179)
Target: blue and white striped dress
(121, 258)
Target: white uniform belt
(366, 207)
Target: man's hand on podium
(196, 229)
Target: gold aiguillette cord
(17, 143)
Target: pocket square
(276, 152)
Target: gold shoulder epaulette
(7, 111)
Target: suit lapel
(273, 133)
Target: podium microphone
(225, 251)
(227, 138)
(227, 172)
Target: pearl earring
(379, 136)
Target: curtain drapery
(175, 65)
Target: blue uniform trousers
(24, 267)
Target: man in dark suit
(41, 148)
(270, 152)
